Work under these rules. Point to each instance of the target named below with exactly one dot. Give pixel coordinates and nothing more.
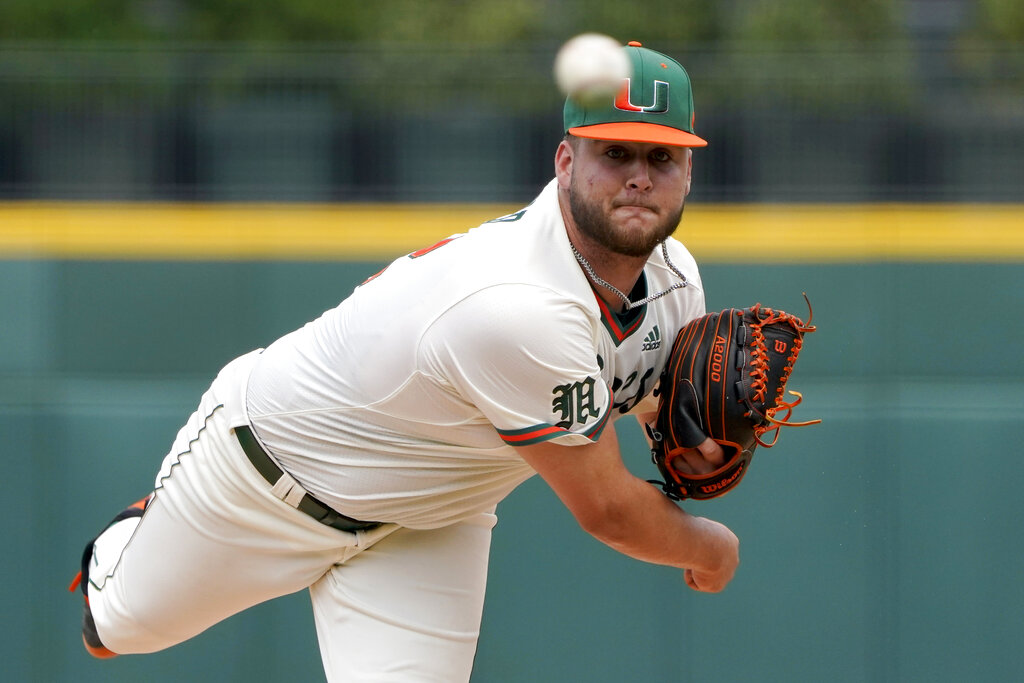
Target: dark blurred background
(851, 100)
(880, 546)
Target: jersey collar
(621, 325)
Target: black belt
(308, 504)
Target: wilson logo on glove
(726, 379)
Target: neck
(618, 299)
(610, 268)
(614, 275)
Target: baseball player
(362, 456)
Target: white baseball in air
(591, 64)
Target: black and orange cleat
(90, 638)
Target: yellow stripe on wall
(946, 232)
(714, 233)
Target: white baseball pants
(390, 604)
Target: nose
(639, 176)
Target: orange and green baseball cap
(655, 104)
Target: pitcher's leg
(212, 541)
(171, 581)
(408, 608)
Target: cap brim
(635, 131)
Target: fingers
(712, 452)
(691, 462)
(704, 459)
(705, 583)
(720, 563)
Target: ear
(689, 171)
(563, 164)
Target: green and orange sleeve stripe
(546, 431)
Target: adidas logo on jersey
(653, 340)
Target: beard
(597, 225)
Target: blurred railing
(904, 122)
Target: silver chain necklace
(625, 299)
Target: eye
(615, 153)
(661, 155)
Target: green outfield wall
(880, 546)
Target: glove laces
(759, 372)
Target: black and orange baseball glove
(725, 379)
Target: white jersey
(404, 403)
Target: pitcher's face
(626, 196)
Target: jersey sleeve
(527, 359)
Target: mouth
(634, 206)
(632, 201)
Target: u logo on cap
(624, 100)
